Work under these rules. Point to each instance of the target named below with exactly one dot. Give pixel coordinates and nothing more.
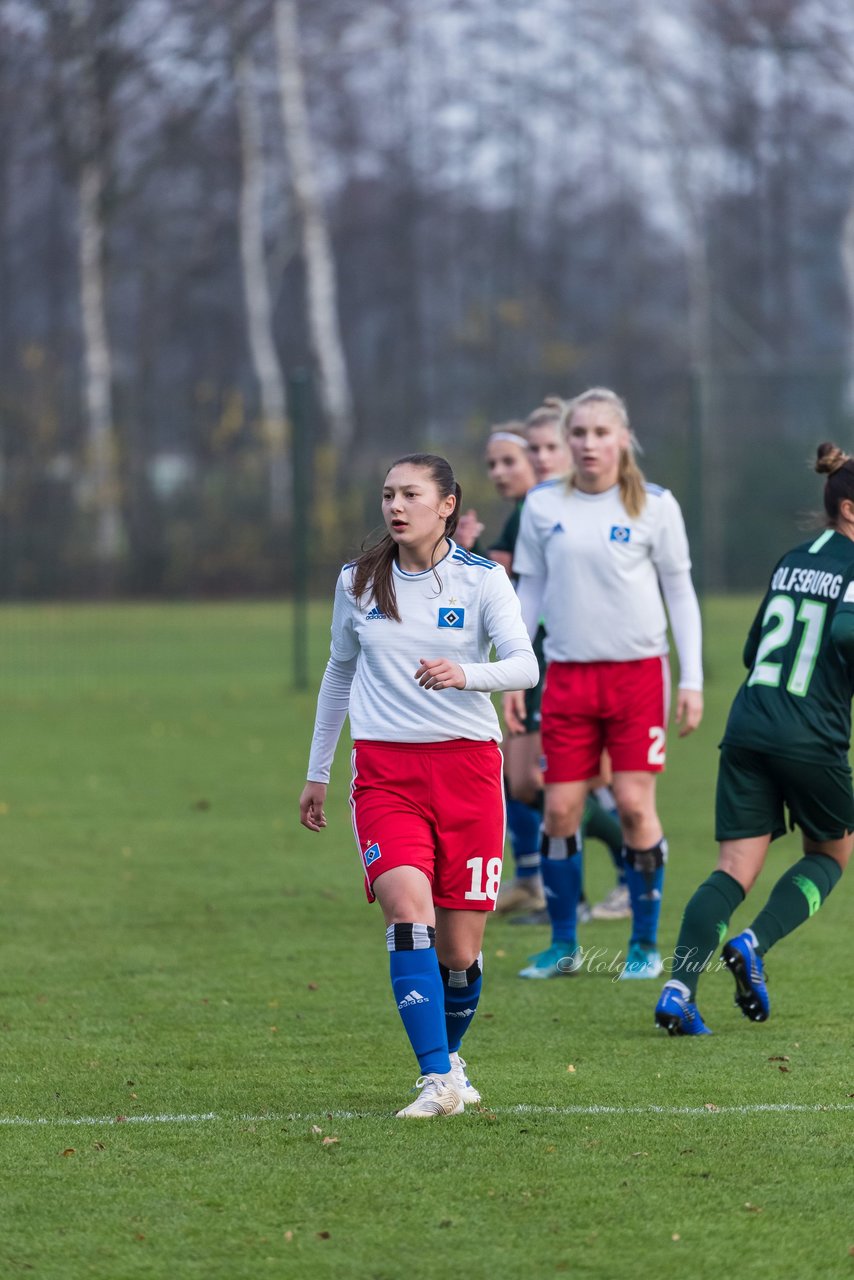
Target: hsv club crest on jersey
(371, 854)
(620, 533)
(452, 617)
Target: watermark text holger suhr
(683, 960)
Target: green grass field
(201, 1055)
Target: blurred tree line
(445, 210)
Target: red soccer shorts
(591, 705)
(438, 806)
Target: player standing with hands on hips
(427, 794)
(785, 747)
(596, 552)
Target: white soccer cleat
(438, 1097)
(462, 1084)
(616, 905)
(520, 895)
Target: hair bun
(829, 458)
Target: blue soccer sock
(462, 992)
(417, 986)
(523, 827)
(645, 878)
(561, 870)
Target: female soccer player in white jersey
(547, 449)
(427, 798)
(595, 554)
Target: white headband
(510, 436)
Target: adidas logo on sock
(458, 1013)
(414, 997)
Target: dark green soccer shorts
(755, 789)
(534, 697)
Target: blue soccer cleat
(641, 962)
(560, 960)
(745, 964)
(677, 1014)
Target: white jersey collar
(402, 573)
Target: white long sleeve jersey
(596, 576)
(373, 660)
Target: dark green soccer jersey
(506, 540)
(796, 700)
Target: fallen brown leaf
(328, 1142)
(315, 1128)
(752, 1208)
(69, 1151)
(322, 1235)
(289, 1235)
(779, 1057)
(710, 1106)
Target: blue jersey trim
(469, 558)
(657, 489)
(547, 484)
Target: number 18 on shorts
(436, 806)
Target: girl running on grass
(785, 747)
(427, 797)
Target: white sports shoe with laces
(462, 1084)
(616, 905)
(438, 1097)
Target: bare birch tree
(324, 326)
(256, 289)
(101, 489)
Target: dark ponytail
(374, 567)
(838, 466)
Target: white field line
(523, 1109)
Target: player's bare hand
(689, 710)
(440, 673)
(311, 804)
(513, 707)
(468, 529)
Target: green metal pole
(299, 401)
(697, 521)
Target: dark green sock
(704, 926)
(796, 896)
(598, 824)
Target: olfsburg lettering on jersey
(811, 582)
